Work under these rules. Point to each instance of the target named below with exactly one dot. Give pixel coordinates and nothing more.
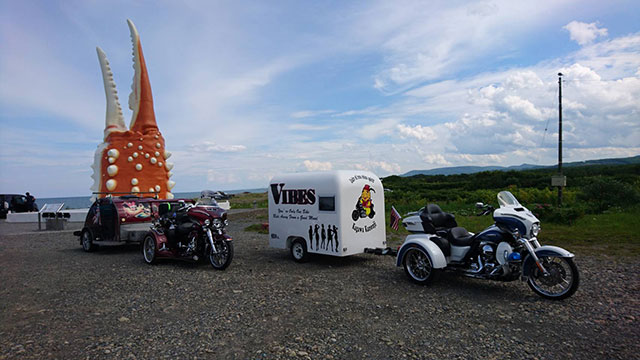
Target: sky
(244, 90)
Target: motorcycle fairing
(511, 224)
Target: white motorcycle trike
(505, 251)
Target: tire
(355, 215)
(149, 249)
(222, 259)
(299, 251)
(87, 241)
(418, 266)
(560, 269)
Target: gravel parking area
(57, 301)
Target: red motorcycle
(189, 232)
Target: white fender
(422, 241)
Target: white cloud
(523, 106)
(419, 132)
(210, 146)
(307, 127)
(426, 41)
(584, 33)
(312, 165)
(215, 177)
(378, 128)
(379, 167)
(310, 113)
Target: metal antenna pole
(560, 136)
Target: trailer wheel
(299, 251)
(86, 239)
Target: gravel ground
(58, 302)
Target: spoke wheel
(562, 279)
(418, 266)
(221, 259)
(149, 249)
(87, 241)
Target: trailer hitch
(381, 251)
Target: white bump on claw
(113, 153)
(169, 196)
(170, 184)
(135, 189)
(158, 188)
(169, 166)
(111, 184)
(158, 145)
(146, 155)
(138, 167)
(134, 181)
(167, 154)
(153, 160)
(139, 147)
(160, 163)
(151, 190)
(156, 154)
(169, 174)
(112, 170)
(135, 154)
(129, 159)
(129, 145)
(112, 160)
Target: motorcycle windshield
(506, 198)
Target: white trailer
(336, 213)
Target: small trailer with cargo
(337, 213)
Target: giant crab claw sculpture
(133, 160)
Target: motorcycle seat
(459, 236)
(434, 219)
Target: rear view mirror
(479, 205)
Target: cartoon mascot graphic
(364, 206)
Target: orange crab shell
(135, 163)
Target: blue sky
(246, 90)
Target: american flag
(395, 218)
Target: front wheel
(418, 266)
(221, 259)
(562, 279)
(149, 249)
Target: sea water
(83, 202)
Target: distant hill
(455, 170)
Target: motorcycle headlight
(535, 229)
(207, 222)
(217, 223)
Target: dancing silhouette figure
(329, 238)
(311, 237)
(315, 233)
(335, 236)
(324, 237)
